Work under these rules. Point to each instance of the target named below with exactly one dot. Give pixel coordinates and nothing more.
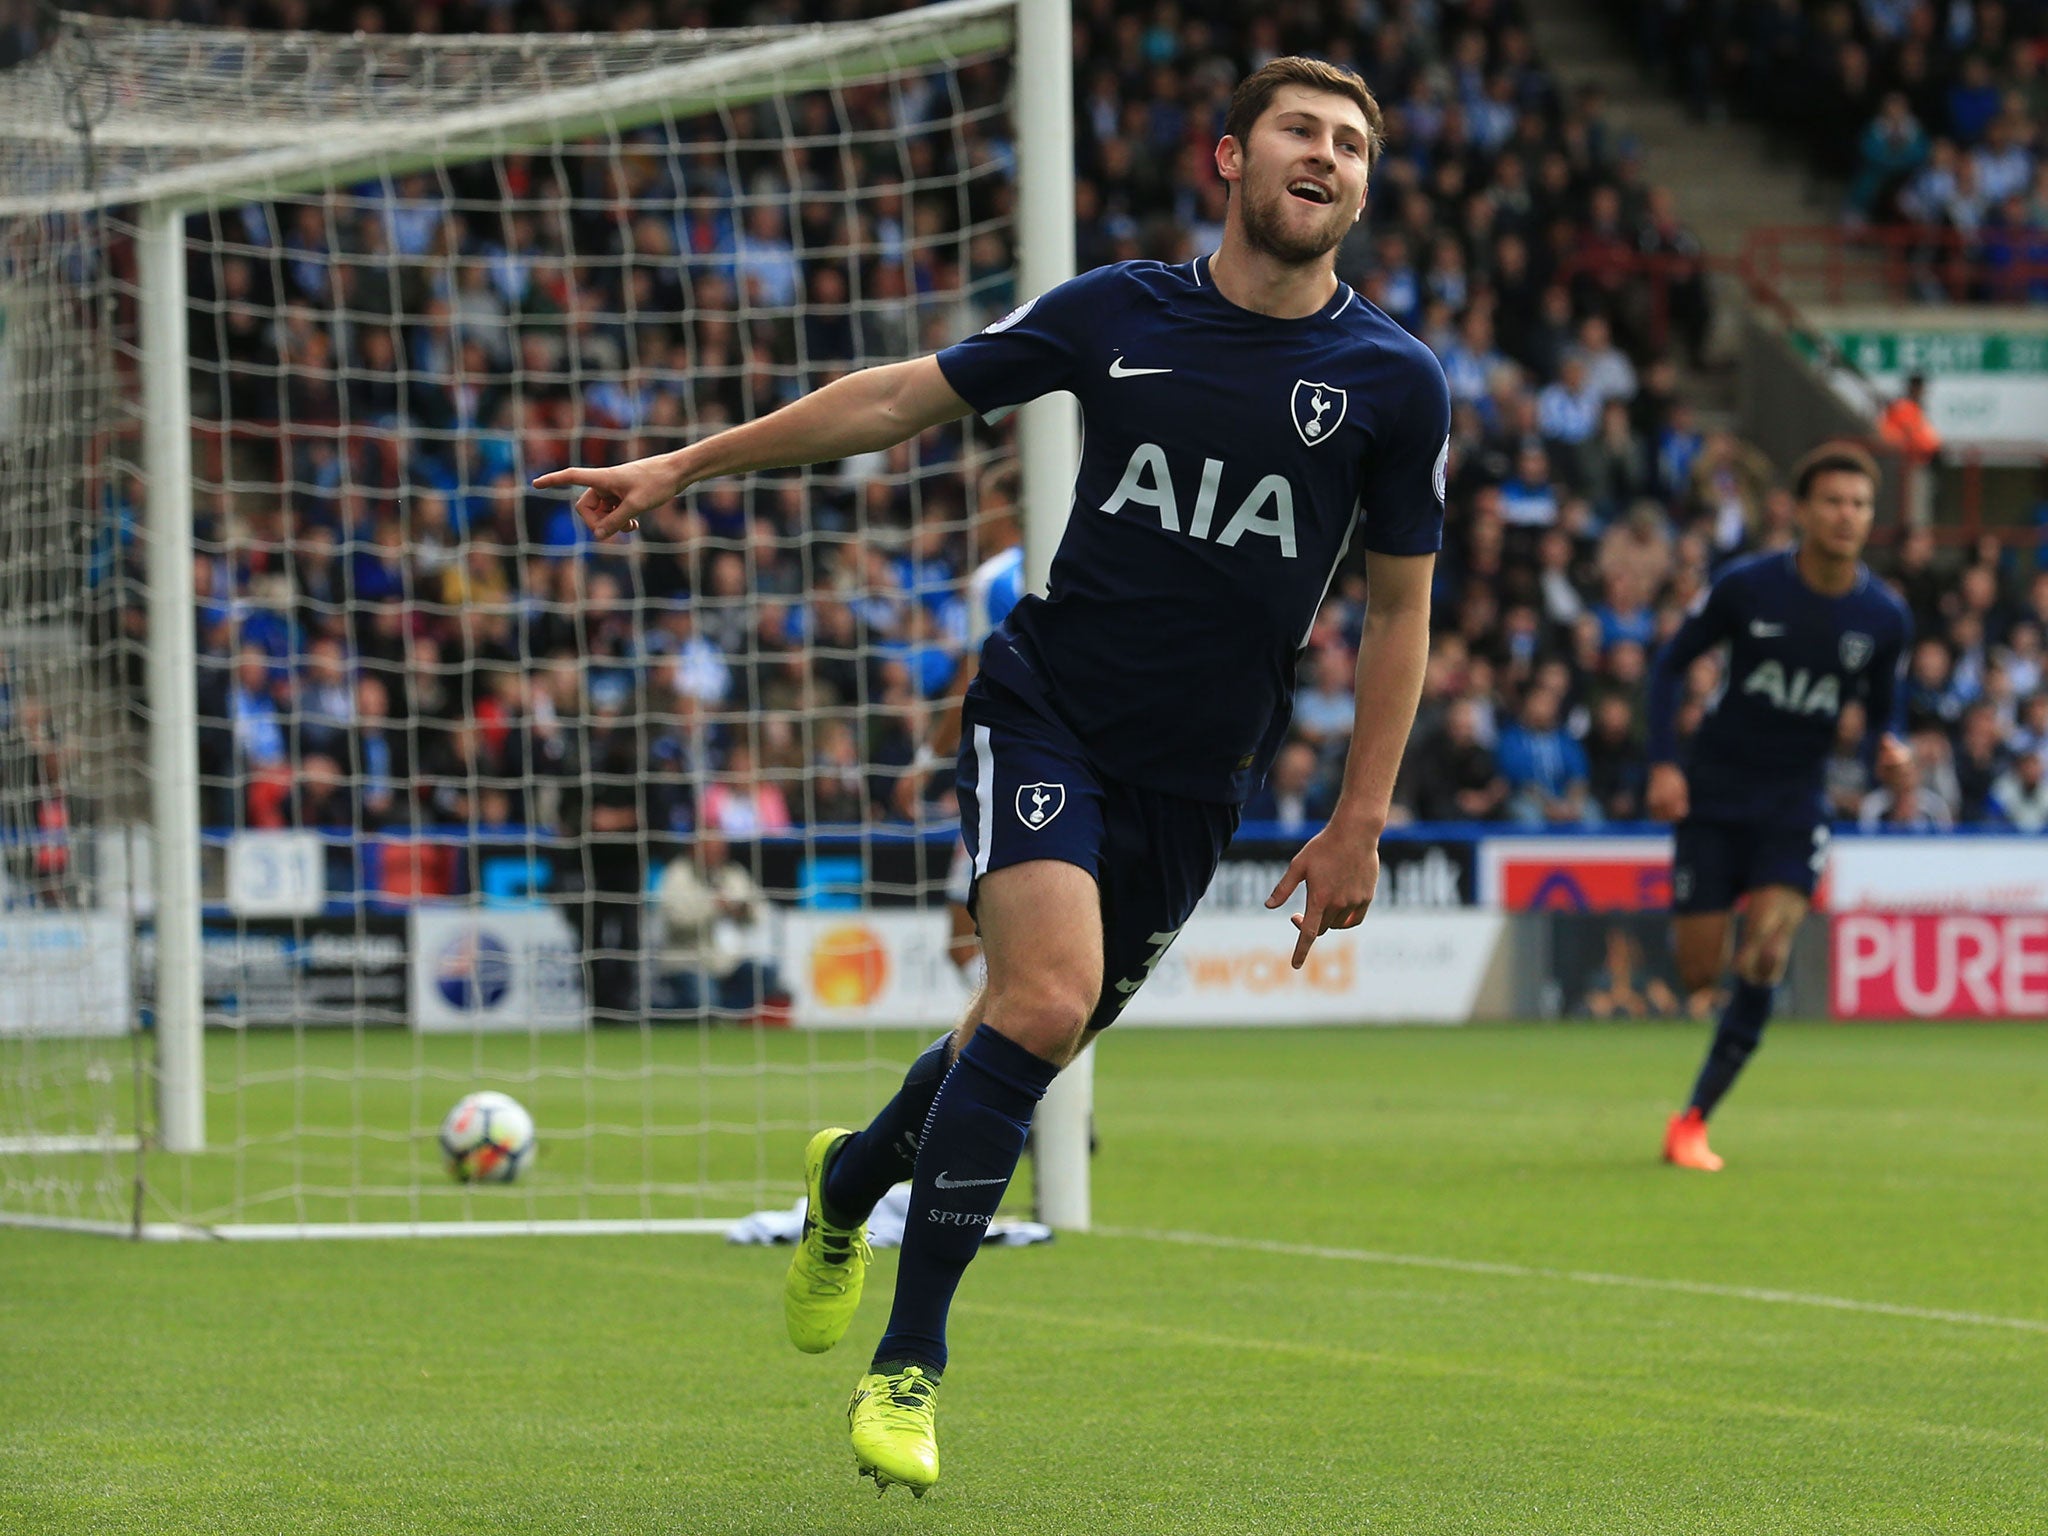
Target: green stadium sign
(1942, 352)
(1984, 387)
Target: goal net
(340, 773)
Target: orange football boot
(1685, 1143)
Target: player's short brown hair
(1836, 458)
(1256, 90)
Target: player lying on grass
(1806, 630)
(1248, 417)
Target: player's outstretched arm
(1340, 865)
(873, 409)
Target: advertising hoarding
(1431, 873)
(1576, 874)
(1940, 965)
(887, 968)
(1938, 874)
(313, 971)
(484, 969)
(63, 974)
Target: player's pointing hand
(614, 500)
(1341, 870)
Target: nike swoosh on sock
(945, 1183)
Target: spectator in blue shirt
(1932, 697)
(1469, 362)
(1626, 614)
(1973, 101)
(1324, 711)
(1545, 768)
(1291, 796)
(1528, 499)
(255, 708)
(1568, 411)
(1678, 444)
(765, 262)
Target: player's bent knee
(1046, 1016)
(1051, 1004)
(1765, 956)
(1763, 964)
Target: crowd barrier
(1470, 924)
(1478, 924)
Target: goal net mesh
(482, 804)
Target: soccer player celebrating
(1806, 630)
(1248, 416)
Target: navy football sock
(1735, 1041)
(965, 1159)
(869, 1162)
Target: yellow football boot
(822, 1290)
(894, 1419)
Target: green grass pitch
(1516, 1320)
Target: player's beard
(1266, 227)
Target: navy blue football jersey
(1229, 459)
(1795, 656)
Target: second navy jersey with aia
(1229, 460)
(1795, 657)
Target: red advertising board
(1940, 965)
(1576, 874)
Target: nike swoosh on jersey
(1117, 370)
(1763, 631)
(945, 1183)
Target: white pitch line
(1581, 1277)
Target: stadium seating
(1927, 119)
(343, 686)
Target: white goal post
(146, 171)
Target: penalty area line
(1580, 1277)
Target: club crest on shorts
(1857, 648)
(1318, 410)
(1037, 804)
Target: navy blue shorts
(1028, 791)
(1714, 862)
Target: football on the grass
(487, 1138)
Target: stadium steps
(1730, 176)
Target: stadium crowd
(396, 634)
(1930, 115)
